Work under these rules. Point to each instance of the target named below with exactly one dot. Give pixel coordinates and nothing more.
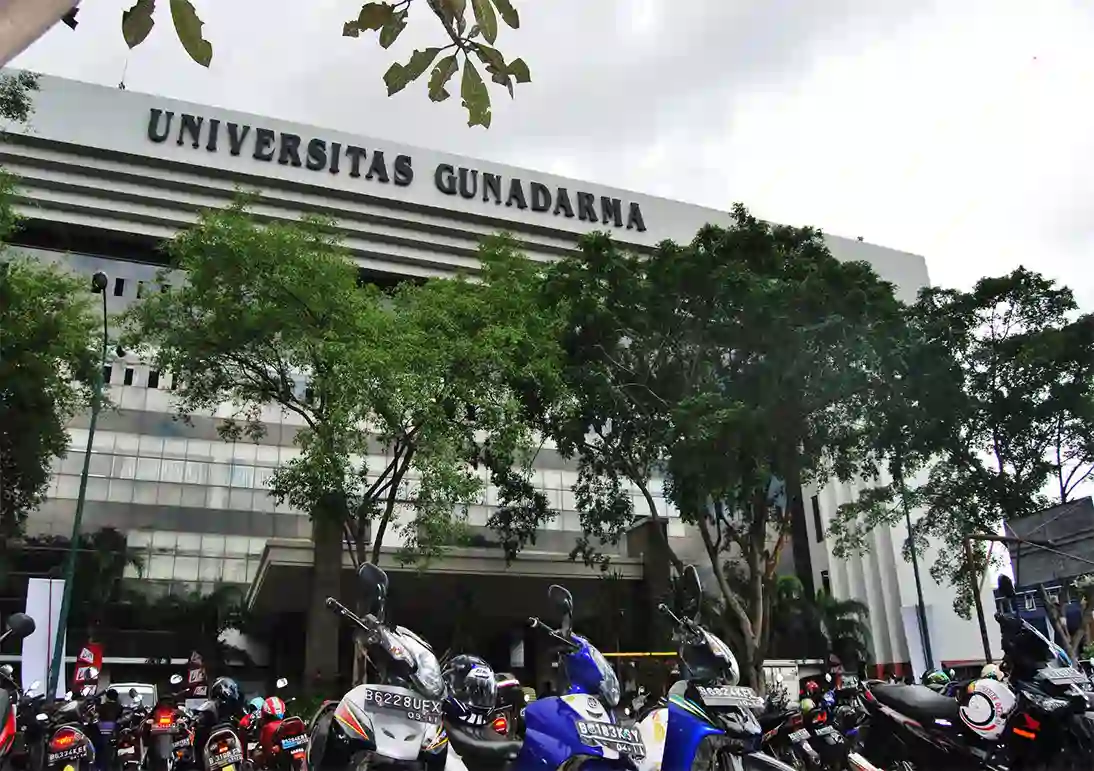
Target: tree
(1073, 640)
(276, 315)
(995, 401)
(46, 358)
(463, 44)
(736, 364)
(16, 96)
(845, 628)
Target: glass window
(189, 542)
(211, 569)
(221, 451)
(77, 438)
(161, 566)
(125, 467)
(73, 463)
(68, 486)
(151, 446)
(241, 500)
(154, 379)
(103, 441)
(197, 472)
(193, 496)
(163, 540)
(263, 478)
(186, 568)
(216, 497)
(243, 476)
(127, 378)
(235, 571)
(264, 501)
(173, 471)
(121, 491)
(97, 489)
(126, 444)
(237, 544)
(139, 539)
(100, 464)
(169, 495)
(212, 544)
(266, 454)
(219, 474)
(148, 469)
(145, 492)
(198, 448)
(818, 526)
(244, 452)
(174, 448)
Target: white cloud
(958, 130)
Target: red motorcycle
(281, 742)
(20, 625)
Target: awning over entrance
(283, 580)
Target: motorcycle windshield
(427, 675)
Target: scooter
(395, 722)
(709, 721)
(576, 730)
(20, 626)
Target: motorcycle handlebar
(535, 623)
(349, 615)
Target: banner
(89, 664)
(44, 606)
(197, 680)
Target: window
(817, 525)
(826, 582)
(119, 287)
(140, 289)
(128, 378)
(107, 372)
(154, 379)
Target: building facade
(106, 175)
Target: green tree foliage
(47, 328)
(731, 363)
(17, 96)
(846, 629)
(470, 32)
(989, 413)
(276, 315)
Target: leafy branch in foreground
(468, 40)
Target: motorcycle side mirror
(20, 625)
(564, 601)
(1006, 587)
(281, 682)
(692, 592)
(828, 678)
(373, 584)
(175, 679)
(779, 678)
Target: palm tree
(845, 626)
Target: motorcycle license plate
(293, 741)
(729, 696)
(126, 750)
(181, 743)
(226, 759)
(624, 740)
(824, 730)
(72, 753)
(411, 707)
(1064, 676)
(799, 736)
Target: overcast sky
(961, 130)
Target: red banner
(89, 663)
(197, 680)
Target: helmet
(812, 689)
(256, 703)
(936, 678)
(471, 684)
(225, 690)
(808, 705)
(112, 694)
(991, 671)
(273, 707)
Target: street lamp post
(99, 283)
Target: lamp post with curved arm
(99, 282)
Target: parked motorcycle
(280, 742)
(710, 720)
(20, 626)
(72, 733)
(169, 731)
(395, 722)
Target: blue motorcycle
(708, 723)
(577, 730)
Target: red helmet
(811, 688)
(273, 707)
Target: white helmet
(986, 707)
(992, 671)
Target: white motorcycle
(395, 722)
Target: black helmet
(226, 691)
(471, 684)
(112, 694)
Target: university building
(106, 175)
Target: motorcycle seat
(772, 720)
(917, 702)
(478, 748)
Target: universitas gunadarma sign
(318, 155)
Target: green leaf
(375, 15)
(440, 76)
(351, 29)
(495, 65)
(486, 18)
(394, 27)
(508, 13)
(398, 76)
(137, 22)
(188, 26)
(519, 70)
(455, 8)
(476, 99)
